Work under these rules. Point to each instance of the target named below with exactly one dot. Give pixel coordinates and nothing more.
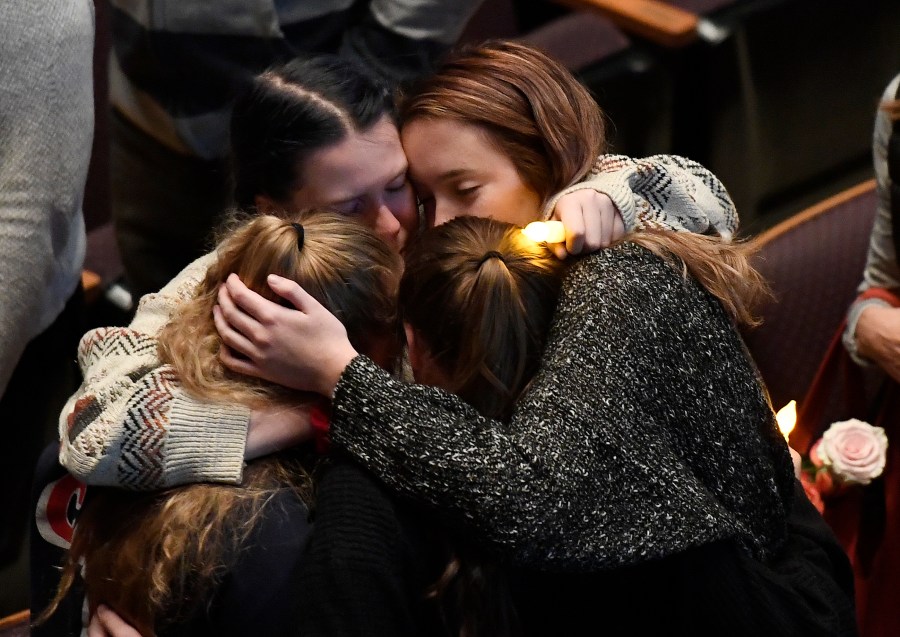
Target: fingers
(236, 319)
(573, 220)
(797, 460)
(292, 292)
(618, 226)
(95, 628)
(559, 250)
(231, 337)
(591, 219)
(109, 624)
(246, 301)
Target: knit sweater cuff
(205, 442)
(613, 185)
(849, 337)
(350, 396)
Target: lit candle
(545, 231)
(787, 418)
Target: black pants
(44, 378)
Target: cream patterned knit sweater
(130, 424)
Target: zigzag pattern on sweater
(142, 461)
(105, 342)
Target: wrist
(337, 364)
(867, 333)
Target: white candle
(545, 231)
(787, 418)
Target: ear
(265, 205)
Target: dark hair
(293, 110)
(497, 291)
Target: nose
(444, 213)
(386, 224)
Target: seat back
(814, 263)
(15, 625)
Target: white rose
(854, 451)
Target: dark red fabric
(320, 419)
(866, 519)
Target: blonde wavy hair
(158, 557)
(342, 264)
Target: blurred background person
(46, 129)
(175, 69)
(872, 337)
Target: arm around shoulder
(664, 191)
(130, 424)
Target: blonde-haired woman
(646, 436)
(222, 559)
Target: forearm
(661, 191)
(432, 446)
(569, 483)
(130, 424)
(882, 269)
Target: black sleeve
(366, 567)
(806, 590)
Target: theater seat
(15, 625)
(814, 263)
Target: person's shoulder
(621, 263)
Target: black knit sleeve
(368, 562)
(637, 428)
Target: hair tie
(490, 254)
(300, 235)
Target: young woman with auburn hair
(645, 443)
(214, 558)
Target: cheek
(513, 204)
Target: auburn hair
(495, 292)
(158, 557)
(531, 106)
(538, 114)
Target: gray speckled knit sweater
(645, 432)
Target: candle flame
(787, 418)
(545, 231)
